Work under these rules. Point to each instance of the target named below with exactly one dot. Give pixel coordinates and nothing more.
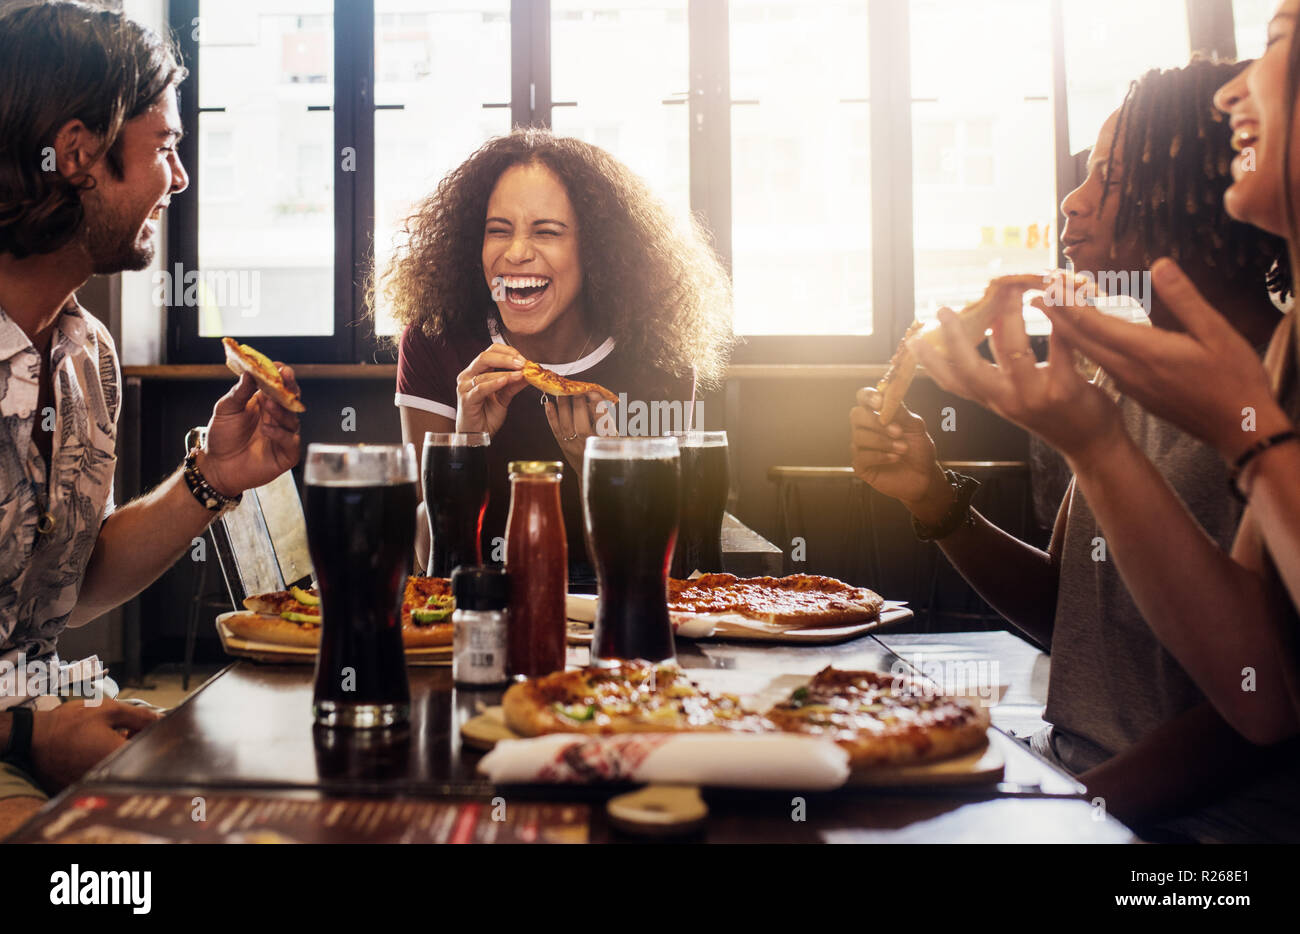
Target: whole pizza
(293, 617)
(880, 720)
(797, 601)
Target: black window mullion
(1210, 29)
(184, 345)
(183, 216)
(354, 179)
(530, 63)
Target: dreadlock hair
(1175, 156)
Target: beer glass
(456, 497)
(630, 495)
(359, 502)
(705, 483)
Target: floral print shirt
(41, 571)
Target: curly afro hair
(649, 280)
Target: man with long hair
(88, 163)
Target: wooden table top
(247, 739)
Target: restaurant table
(244, 745)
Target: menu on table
(240, 817)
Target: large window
(983, 177)
(266, 202)
(858, 163)
(1250, 24)
(425, 50)
(801, 167)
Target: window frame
(710, 170)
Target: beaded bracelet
(1253, 452)
(959, 514)
(207, 495)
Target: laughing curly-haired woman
(547, 249)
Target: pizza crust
(259, 627)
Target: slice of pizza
(240, 359)
(632, 697)
(797, 601)
(975, 320)
(556, 385)
(882, 720)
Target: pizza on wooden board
(880, 720)
(797, 601)
(554, 384)
(293, 617)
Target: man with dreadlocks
(1123, 715)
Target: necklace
(581, 353)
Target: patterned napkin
(730, 760)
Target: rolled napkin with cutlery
(721, 760)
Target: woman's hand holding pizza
(897, 459)
(573, 419)
(485, 387)
(1051, 400)
(1208, 381)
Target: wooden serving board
(978, 767)
(302, 655)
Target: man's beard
(111, 243)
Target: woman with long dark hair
(547, 249)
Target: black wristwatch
(959, 514)
(18, 751)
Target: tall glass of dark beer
(360, 509)
(630, 494)
(705, 483)
(456, 497)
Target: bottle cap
(536, 468)
(480, 588)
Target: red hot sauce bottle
(537, 559)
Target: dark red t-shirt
(651, 403)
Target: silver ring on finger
(572, 437)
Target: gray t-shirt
(1112, 682)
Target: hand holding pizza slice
(1001, 297)
(241, 359)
